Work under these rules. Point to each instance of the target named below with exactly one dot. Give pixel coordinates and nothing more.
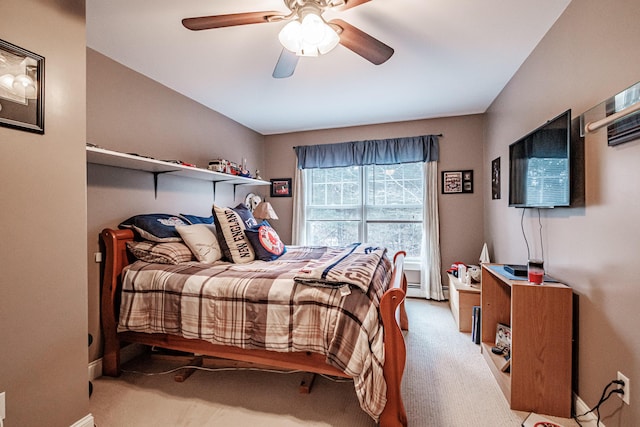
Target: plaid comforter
(354, 265)
(260, 305)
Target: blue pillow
(155, 227)
(195, 219)
(265, 241)
(246, 215)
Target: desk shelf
(540, 317)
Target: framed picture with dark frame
(281, 187)
(495, 179)
(457, 182)
(21, 88)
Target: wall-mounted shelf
(100, 156)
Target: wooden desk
(462, 298)
(540, 317)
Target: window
(376, 203)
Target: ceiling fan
(307, 33)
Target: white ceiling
(452, 57)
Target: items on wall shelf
(101, 156)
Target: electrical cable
(608, 395)
(540, 232)
(524, 234)
(603, 398)
(204, 368)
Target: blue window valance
(371, 152)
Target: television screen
(539, 166)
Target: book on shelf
(503, 345)
(476, 324)
(503, 336)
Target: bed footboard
(394, 319)
(392, 312)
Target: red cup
(536, 277)
(536, 271)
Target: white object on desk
(484, 255)
(462, 273)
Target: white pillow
(202, 242)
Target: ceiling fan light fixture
(311, 37)
(336, 3)
(290, 36)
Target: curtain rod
(594, 126)
(439, 135)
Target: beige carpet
(446, 384)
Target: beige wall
(43, 293)
(461, 147)
(129, 112)
(589, 55)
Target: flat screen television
(540, 166)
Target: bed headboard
(116, 258)
(115, 242)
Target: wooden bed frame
(392, 311)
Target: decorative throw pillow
(155, 227)
(265, 241)
(163, 253)
(230, 230)
(195, 219)
(202, 242)
(246, 215)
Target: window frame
(362, 210)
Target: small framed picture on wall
(281, 187)
(495, 179)
(457, 182)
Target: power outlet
(626, 388)
(3, 413)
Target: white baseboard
(95, 369)
(416, 292)
(126, 354)
(87, 421)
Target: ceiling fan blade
(219, 21)
(348, 4)
(371, 49)
(286, 64)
